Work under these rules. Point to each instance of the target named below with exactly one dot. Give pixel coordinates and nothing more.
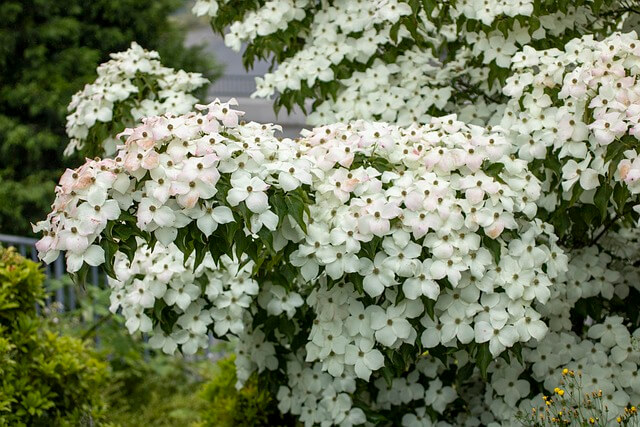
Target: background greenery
(49, 49)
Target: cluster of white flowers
(417, 84)
(273, 16)
(487, 11)
(605, 360)
(330, 41)
(136, 78)
(606, 355)
(578, 104)
(497, 46)
(377, 221)
(317, 397)
(388, 50)
(201, 297)
(407, 98)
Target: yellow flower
(565, 371)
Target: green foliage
(145, 388)
(20, 286)
(45, 379)
(226, 406)
(160, 390)
(48, 50)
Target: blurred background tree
(50, 49)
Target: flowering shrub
(573, 117)
(132, 85)
(388, 273)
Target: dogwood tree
(427, 272)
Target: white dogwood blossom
(135, 81)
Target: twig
(608, 226)
(95, 326)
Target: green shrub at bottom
(228, 407)
(45, 379)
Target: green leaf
(217, 248)
(296, 209)
(561, 222)
(387, 374)
(110, 248)
(242, 243)
(429, 306)
(79, 278)
(620, 196)
(577, 192)
(494, 169)
(201, 251)
(517, 351)
(123, 231)
(181, 240)
(615, 151)
(429, 6)
(534, 24)
(503, 27)
(108, 231)
(287, 327)
(266, 236)
(280, 206)
(231, 229)
(601, 199)
(483, 358)
(439, 352)
(596, 6)
(465, 372)
(415, 6)
(493, 246)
